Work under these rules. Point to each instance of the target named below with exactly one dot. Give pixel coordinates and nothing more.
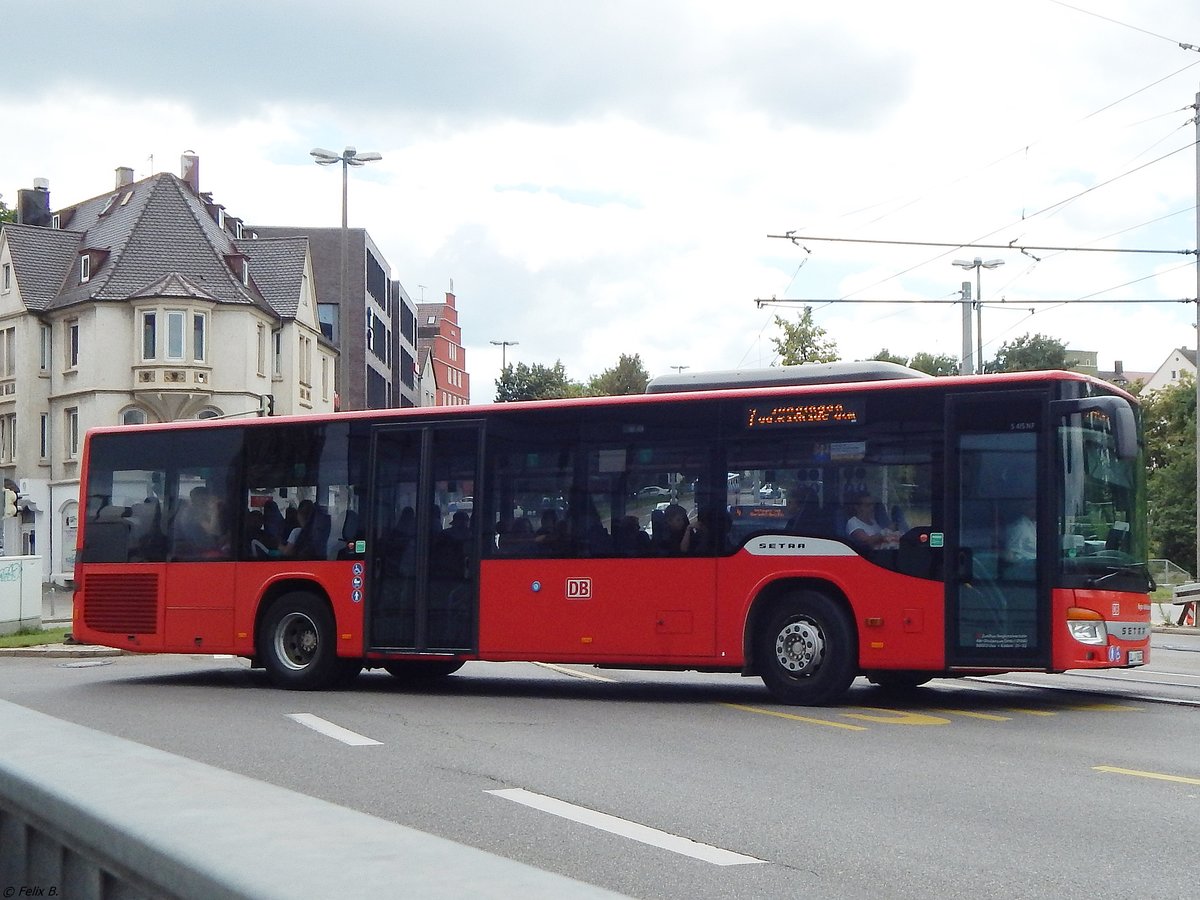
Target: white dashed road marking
(337, 732)
(632, 830)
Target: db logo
(579, 589)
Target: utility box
(20, 593)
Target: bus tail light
(1087, 626)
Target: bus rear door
(423, 548)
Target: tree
(803, 341)
(922, 362)
(886, 355)
(1169, 417)
(942, 364)
(628, 376)
(1029, 353)
(536, 382)
(6, 214)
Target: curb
(61, 651)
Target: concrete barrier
(85, 815)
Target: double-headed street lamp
(504, 345)
(976, 364)
(348, 157)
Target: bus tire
(806, 650)
(296, 643)
(422, 669)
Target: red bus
(851, 520)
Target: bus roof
(775, 376)
(700, 390)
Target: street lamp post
(978, 264)
(348, 157)
(504, 345)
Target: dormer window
(220, 218)
(237, 228)
(55, 221)
(85, 268)
(108, 205)
(246, 272)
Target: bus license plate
(1136, 657)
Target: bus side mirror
(1116, 409)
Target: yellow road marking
(1156, 775)
(1103, 707)
(795, 718)
(1032, 712)
(896, 717)
(989, 717)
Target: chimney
(1119, 366)
(33, 204)
(124, 176)
(190, 171)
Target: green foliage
(1169, 417)
(803, 341)
(536, 382)
(628, 376)
(886, 355)
(1030, 353)
(6, 214)
(928, 363)
(30, 638)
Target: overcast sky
(601, 178)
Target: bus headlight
(1087, 626)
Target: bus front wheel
(805, 650)
(296, 643)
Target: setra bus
(805, 524)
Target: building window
(72, 343)
(327, 314)
(209, 413)
(7, 278)
(71, 433)
(134, 416)
(324, 377)
(305, 360)
(199, 333)
(149, 335)
(85, 268)
(278, 364)
(44, 445)
(46, 345)
(8, 438)
(246, 272)
(54, 221)
(8, 352)
(174, 335)
(262, 349)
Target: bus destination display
(803, 414)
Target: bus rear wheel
(805, 650)
(296, 643)
(422, 669)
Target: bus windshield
(1102, 533)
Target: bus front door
(997, 600)
(423, 549)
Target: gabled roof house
(148, 303)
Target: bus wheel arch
(296, 639)
(802, 641)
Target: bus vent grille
(121, 604)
